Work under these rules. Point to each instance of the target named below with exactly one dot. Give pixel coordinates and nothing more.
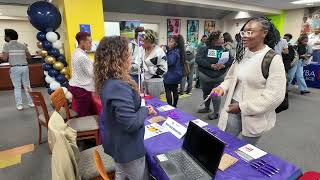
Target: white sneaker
(31, 105)
(19, 107)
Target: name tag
(175, 128)
(212, 53)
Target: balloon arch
(46, 18)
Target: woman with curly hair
(154, 63)
(123, 115)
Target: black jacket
(204, 62)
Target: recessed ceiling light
(309, 4)
(305, 1)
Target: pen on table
(267, 166)
(265, 162)
(271, 171)
(261, 170)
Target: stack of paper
(165, 108)
(198, 122)
(250, 152)
(152, 130)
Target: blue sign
(85, 28)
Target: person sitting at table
(251, 99)
(297, 69)
(123, 115)
(81, 82)
(175, 59)
(17, 54)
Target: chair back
(40, 105)
(99, 165)
(59, 101)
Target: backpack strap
(265, 65)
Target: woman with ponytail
(251, 98)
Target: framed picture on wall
(127, 28)
(173, 27)
(193, 33)
(209, 26)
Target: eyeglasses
(246, 33)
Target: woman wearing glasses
(252, 99)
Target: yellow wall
(78, 12)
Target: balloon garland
(45, 17)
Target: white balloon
(49, 79)
(45, 73)
(54, 85)
(52, 37)
(57, 44)
(65, 90)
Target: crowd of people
(250, 72)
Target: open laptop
(198, 159)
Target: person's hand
(214, 66)
(220, 66)
(234, 108)
(218, 90)
(151, 110)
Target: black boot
(213, 116)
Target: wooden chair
(87, 127)
(99, 165)
(42, 111)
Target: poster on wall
(127, 28)
(311, 20)
(173, 27)
(192, 33)
(209, 26)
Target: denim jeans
(297, 72)
(20, 74)
(234, 127)
(316, 55)
(189, 79)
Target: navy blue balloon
(41, 36)
(47, 45)
(58, 35)
(65, 84)
(50, 91)
(53, 72)
(60, 78)
(46, 67)
(44, 16)
(54, 52)
(61, 58)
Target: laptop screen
(203, 147)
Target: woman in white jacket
(252, 99)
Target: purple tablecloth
(241, 170)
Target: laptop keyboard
(186, 166)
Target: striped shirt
(17, 53)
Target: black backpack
(265, 65)
(288, 58)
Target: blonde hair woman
(123, 115)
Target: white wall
(293, 22)
(161, 21)
(233, 26)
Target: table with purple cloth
(312, 75)
(241, 170)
